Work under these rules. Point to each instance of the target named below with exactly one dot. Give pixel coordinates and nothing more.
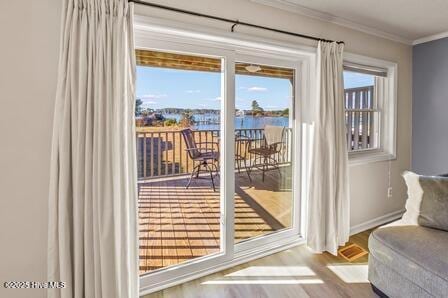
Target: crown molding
(329, 18)
(430, 38)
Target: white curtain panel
(328, 224)
(93, 244)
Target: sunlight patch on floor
(263, 282)
(274, 271)
(268, 275)
(351, 273)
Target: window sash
(365, 69)
(361, 108)
(385, 99)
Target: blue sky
(167, 88)
(355, 79)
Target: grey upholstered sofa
(409, 261)
(409, 257)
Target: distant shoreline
(241, 122)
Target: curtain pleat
(93, 244)
(328, 223)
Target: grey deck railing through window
(361, 118)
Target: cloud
(257, 89)
(219, 98)
(193, 91)
(149, 102)
(152, 96)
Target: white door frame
(170, 36)
(160, 277)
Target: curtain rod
(234, 22)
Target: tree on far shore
(256, 109)
(138, 107)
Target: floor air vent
(352, 252)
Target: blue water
(241, 122)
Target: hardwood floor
(295, 272)
(178, 224)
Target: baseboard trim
(376, 222)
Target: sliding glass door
(184, 160)
(264, 149)
(216, 145)
(178, 147)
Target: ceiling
(407, 21)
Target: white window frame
(152, 33)
(387, 106)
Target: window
(264, 96)
(361, 111)
(179, 222)
(369, 99)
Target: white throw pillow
(415, 196)
(427, 203)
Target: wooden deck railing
(162, 153)
(361, 117)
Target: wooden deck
(178, 224)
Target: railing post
(151, 156)
(348, 96)
(365, 95)
(357, 116)
(159, 154)
(173, 163)
(165, 148)
(144, 155)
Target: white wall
(28, 55)
(29, 42)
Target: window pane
(362, 116)
(263, 150)
(175, 93)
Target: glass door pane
(178, 112)
(263, 150)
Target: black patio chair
(203, 156)
(266, 155)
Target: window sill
(365, 157)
